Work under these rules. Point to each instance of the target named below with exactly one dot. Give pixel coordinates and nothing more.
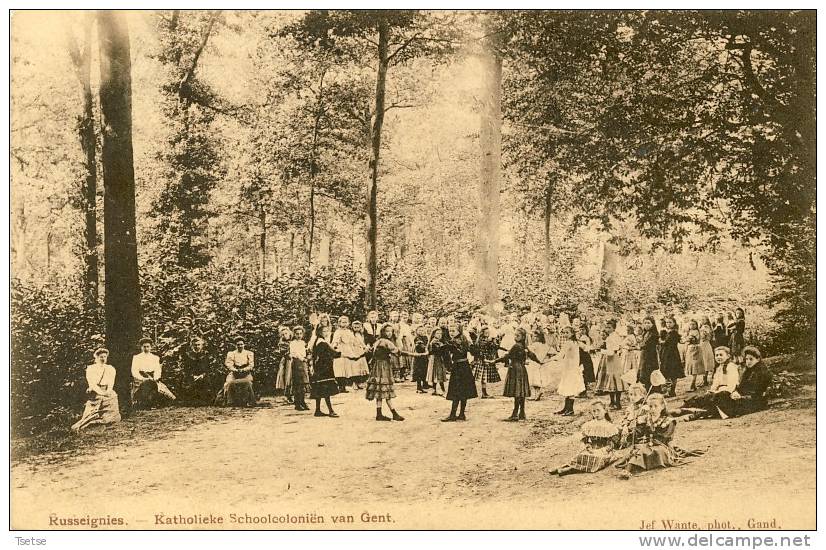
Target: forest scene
(224, 174)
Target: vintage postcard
(359, 269)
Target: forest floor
(277, 466)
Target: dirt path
(484, 473)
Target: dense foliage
(683, 142)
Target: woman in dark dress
(649, 362)
(198, 375)
(462, 385)
(323, 382)
(671, 364)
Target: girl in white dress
(343, 342)
(572, 382)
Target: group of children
(641, 358)
(606, 357)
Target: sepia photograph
(413, 269)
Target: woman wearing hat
(146, 378)
(101, 399)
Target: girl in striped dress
(484, 352)
(517, 384)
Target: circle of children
(642, 357)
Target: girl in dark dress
(671, 365)
(737, 335)
(719, 335)
(436, 366)
(517, 384)
(323, 383)
(420, 362)
(649, 361)
(462, 385)
(484, 351)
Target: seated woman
(147, 388)
(238, 390)
(198, 376)
(652, 446)
(600, 437)
(101, 399)
(750, 395)
(725, 381)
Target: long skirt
(237, 392)
(517, 383)
(708, 356)
(380, 381)
(284, 378)
(650, 456)
(713, 404)
(486, 372)
(99, 410)
(300, 377)
(572, 382)
(420, 369)
(359, 369)
(592, 461)
(598, 361)
(436, 370)
(610, 377)
(146, 393)
(694, 363)
(462, 384)
(343, 367)
(539, 374)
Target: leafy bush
(52, 341)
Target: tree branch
(187, 78)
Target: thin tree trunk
(292, 252)
(548, 212)
(262, 243)
(82, 61)
(490, 141)
(122, 285)
(314, 166)
(372, 189)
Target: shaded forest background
(288, 162)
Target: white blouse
(100, 377)
(147, 363)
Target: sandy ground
(277, 466)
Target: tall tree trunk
(291, 267)
(548, 213)
(262, 243)
(82, 61)
(372, 189)
(314, 165)
(122, 286)
(490, 141)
